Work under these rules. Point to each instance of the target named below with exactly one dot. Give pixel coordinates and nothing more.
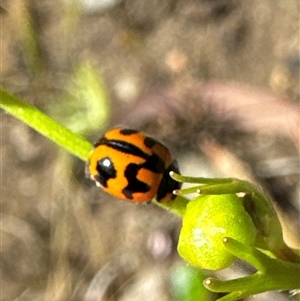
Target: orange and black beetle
(132, 166)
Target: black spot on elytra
(134, 185)
(128, 132)
(106, 171)
(155, 164)
(149, 142)
(123, 146)
(127, 148)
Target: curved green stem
(272, 274)
(45, 125)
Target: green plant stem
(45, 125)
(272, 274)
(176, 206)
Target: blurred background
(216, 81)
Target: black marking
(124, 147)
(128, 132)
(154, 164)
(167, 184)
(106, 171)
(134, 185)
(150, 142)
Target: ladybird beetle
(132, 166)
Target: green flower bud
(207, 220)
